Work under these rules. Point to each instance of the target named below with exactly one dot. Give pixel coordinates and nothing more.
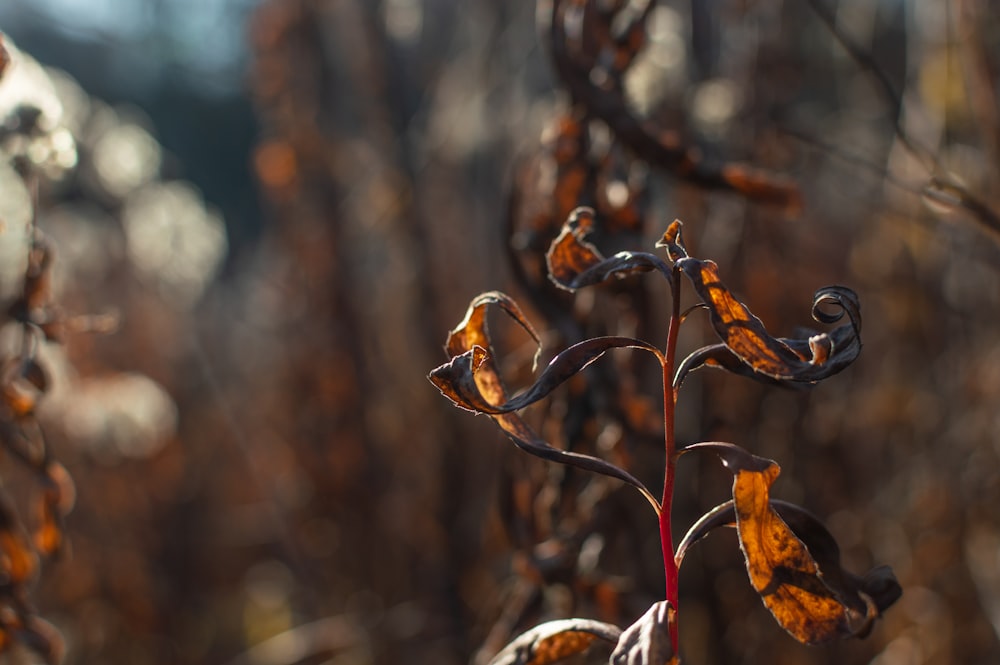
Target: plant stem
(669, 404)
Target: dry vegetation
(264, 474)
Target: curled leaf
(570, 254)
(648, 640)
(747, 347)
(812, 603)
(673, 242)
(457, 379)
(722, 515)
(474, 331)
(553, 641)
(574, 263)
(866, 597)
(471, 381)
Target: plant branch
(670, 446)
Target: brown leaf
(473, 330)
(56, 501)
(865, 597)
(18, 561)
(673, 241)
(470, 380)
(647, 641)
(553, 641)
(22, 385)
(569, 254)
(761, 355)
(779, 565)
(574, 263)
(457, 379)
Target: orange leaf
(553, 641)
(574, 263)
(750, 350)
(570, 255)
(470, 380)
(17, 559)
(780, 566)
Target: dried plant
(31, 318)
(792, 561)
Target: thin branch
(940, 180)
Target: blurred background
(288, 203)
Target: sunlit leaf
(569, 254)
(781, 568)
(458, 381)
(673, 241)
(866, 597)
(470, 380)
(473, 330)
(758, 353)
(648, 641)
(553, 641)
(574, 263)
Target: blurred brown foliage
(305, 496)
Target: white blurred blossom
(126, 157)
(173, 240)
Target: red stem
(669, 404)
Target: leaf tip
(673, 241)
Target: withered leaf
(648, 640)
(24, 382)
(457, 379)
(18, 561)
(574, 263)
(673, 241)
(553, 641)
(474, 331)
(866, 597)
(470, 380)
(57, 498)
(757, 352)
(779, 564)
(570, 254)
